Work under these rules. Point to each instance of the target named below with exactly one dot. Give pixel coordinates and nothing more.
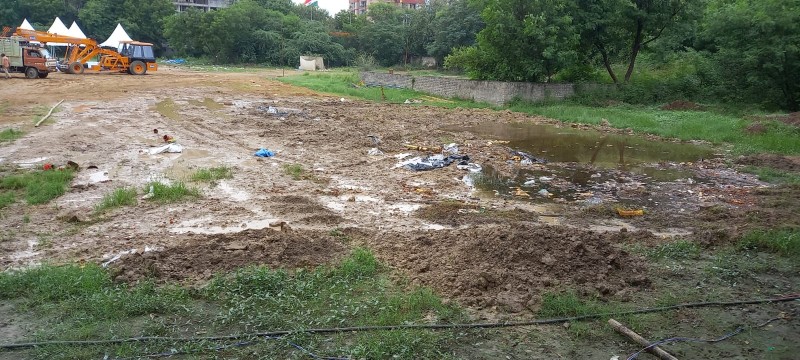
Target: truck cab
(27, 58)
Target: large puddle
(583, 165)
(565, 144)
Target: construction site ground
(482, 241)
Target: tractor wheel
(137, 68)
(31, 73)
(75, 68)
(43, 75)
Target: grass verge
(212, 174)
(684, 125)
(39, 186)
(78, 303)
(175, 192)
(118, 198)
(342, 83)
(10, 135)
(774, 176)
(784, 242)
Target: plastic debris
(451, 148)
(402, 156)
(272, 110)
(374, 152)
(168, 139)
(264, 153)
(521, 193)
(424, 148)
(468, 180)
(169, 148)
(529, 183)
(472, 167)
(544, 192)
(432, 162)
(412, 101)
(545, 178)
(523, 156)
(629, 213)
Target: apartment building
(360, 6)
(203, 5)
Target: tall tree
(757, 48)
(621, 28)
(456, 25)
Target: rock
(605, 122)
(548, 260)
(73, 216)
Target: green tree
(524, 40)
(456, 25)
(620, 29)
(756, 46)
(142, 19)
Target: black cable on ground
(708, 341)
(279, 333)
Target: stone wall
(494, 92)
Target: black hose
(400, 327)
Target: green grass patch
(212, 174)
(773, 176)
(7, 198)
(39, 186)
(684, 125)
(175, 192)
(10, 135)
(296, 171)
(677, 250)
(785, 242)
(80, 303)
(342, 83)
(118, 198)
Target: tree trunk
(637, 45)
(607, 63)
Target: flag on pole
(313, 3)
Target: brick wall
(494, 92)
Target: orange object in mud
(48, 166)
(168, 138)
(628, 213)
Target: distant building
(360, 6)
(202, 5)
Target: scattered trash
(629, 213)
(169, 148)
(523, 156)
(594, 200)
(492, 142)
(47, 166)
(175, 61)
(424, 148)
(149, 194)
(402, 156)
(545, 179)
(375, 139)
(374, 152)
(521, 193)
(342, 100)
(264, 153)
(451, 148)
(433, 162)
(529, 183)
(468, 180)
(126, 252)
(272, 110)
(472, 167)
(545, 193)
(412, 101)
(168, 139)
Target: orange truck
(28, 58)
(133, 57)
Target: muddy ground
(490, 244)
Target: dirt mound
(511, 266)
(774, 161)
(682, 105)
(199, 257)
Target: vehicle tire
(75, 68)
(31, 73)
(137, 68)
(43, 75)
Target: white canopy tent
(75, 31)
(118, 35)
(59, 28)
(26, 25)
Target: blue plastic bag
(264, 153)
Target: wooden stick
(655, 350)
(49, 113)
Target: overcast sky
(333, 6)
